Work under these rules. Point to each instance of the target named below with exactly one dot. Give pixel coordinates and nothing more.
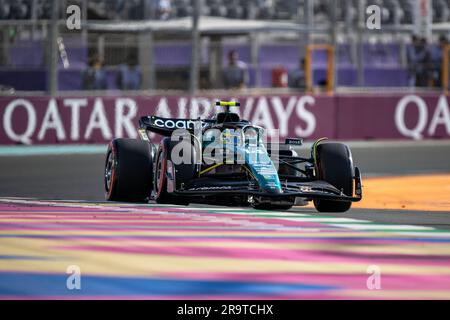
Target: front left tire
(128, 171)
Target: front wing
(308, 190)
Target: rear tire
(334, 164)
(128, 171)
(160, 181)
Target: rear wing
(166, 126)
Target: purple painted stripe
(303, 238)
(350, 281)
(185, 297)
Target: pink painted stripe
(207, 230)
(313, 238)
(187, 223)
(232, 217)
(204, 219)
(93, 216)
(90, 217)
(39, 209)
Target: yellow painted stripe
(141, 265)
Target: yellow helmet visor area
(228, 104)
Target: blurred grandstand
(393, 11)
(269, 36)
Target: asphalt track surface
(80, 176)
(52, 215)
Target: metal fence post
(146, 60)
(309, 20)
(334, 32)
(52, 63)
(360, 41)
(195, 38)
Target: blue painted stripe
(18, 257)
(35, 284)
(51, 150)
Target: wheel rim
(109, 170)
(158, 173)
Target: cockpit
(227, 117)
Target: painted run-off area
(421, 192)
(154, 251)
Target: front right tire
(334, 164)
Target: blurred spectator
(297, 77)
(164, 9)
(424, 78)
(266, 8)
(412, 59)
(437, 57)
(235, 75)
(136, 9)
(5, 9)
(419, 62)
(129, 76)
(19, 10)
(5, 89)
(117, 7)
(94, 77)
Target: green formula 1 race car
(225, 161)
